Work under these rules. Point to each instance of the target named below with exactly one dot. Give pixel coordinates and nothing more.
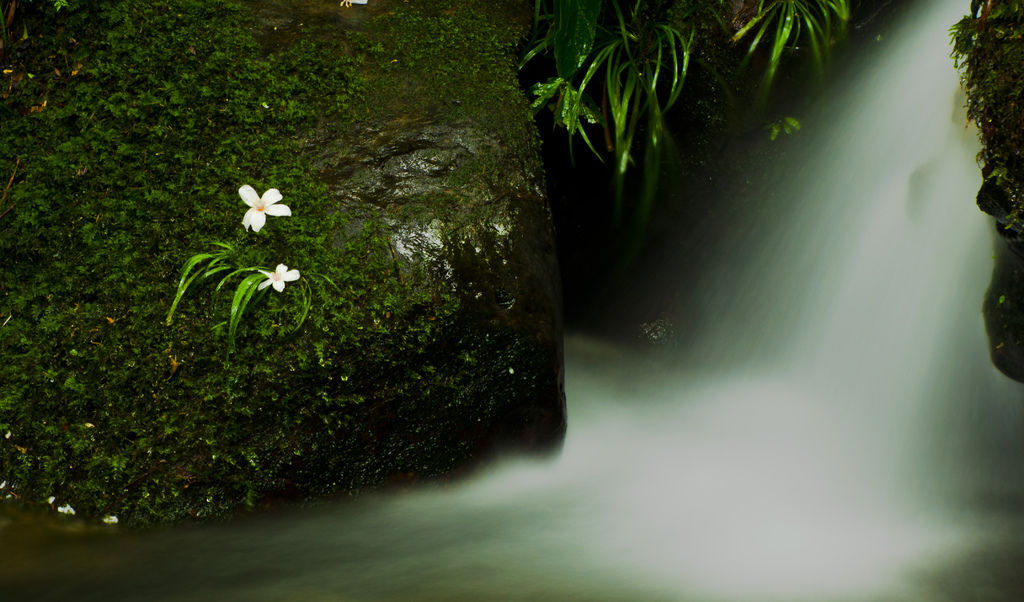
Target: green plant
(256, 279)
(786, 23)
(7, 11)
(6, 19)
(217, 263)
(785, 125)
(989, 53)
(638, 60)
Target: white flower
(261, 207)
(279, 277)
(50, 499)
(110, 519)
(351, 2)
(66, 509)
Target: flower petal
(264, 284)
(279, 285)
(290, 275)
(247, 220)
(248, 194)
(271, 196)
(257, 220)
(278, 210)
(281, 268)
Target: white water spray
(803, 472)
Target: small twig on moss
(6, 211)
(17, 163)
(3, 29)
(7, 320)
(394, 257)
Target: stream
(827, 426)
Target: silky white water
(815, 438)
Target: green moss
(138, 124)
(468, 53)
(989, 50)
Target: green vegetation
(257, 278)
(988, 47)
(128, 126)
(7, 11)
(786, 24)
(621, 65)
(636, 55)
(469, 50)
(785, 125)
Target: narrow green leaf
(307, 303)
(177, 297)
(243, 294)
(187, 280)
(191, 263)
(224, 280)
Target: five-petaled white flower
(261, 207)
(278, 277)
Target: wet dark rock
(459, 195)
(1003, 308)
(488, 241)
(994, 200)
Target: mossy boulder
(989, 50)
(1003, 311)
(399, 139)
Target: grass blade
(186, 280)
(243, 294)
(238, 271)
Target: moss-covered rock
(404, 150)
(989, 50)
(1004, 316)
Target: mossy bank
(989, 50)
(403, 147)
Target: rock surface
(398, 135)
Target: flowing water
(829, 429)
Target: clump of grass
(785, 24)
(635, 60)
(217, 263)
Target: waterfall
(815, 436)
